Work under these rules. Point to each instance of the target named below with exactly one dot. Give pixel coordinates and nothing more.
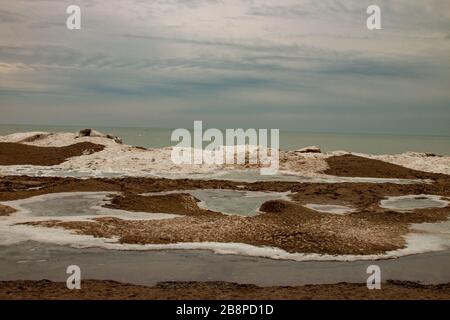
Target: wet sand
(110, 290)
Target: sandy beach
(110, 290)
(224, 150)
(305, 213)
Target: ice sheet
(410, 202)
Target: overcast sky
(307, 65)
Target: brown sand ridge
(177, 203)
(355, 166)
(5, 210)
(111, 290)
(22, 154)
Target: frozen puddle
(231, 202)
(330, 208)
(255, 175)
(73, 206)
(55, 171)
(229, 175)
(411, 202)
(243, 203)
(64, 205)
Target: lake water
(289, 140)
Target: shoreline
(364, 143)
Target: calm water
(33, 260)
(289, 140)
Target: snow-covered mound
(121, 159)
(59, 139)
(417, 161)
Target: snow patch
(330, 208)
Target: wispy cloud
(7, 17)
(299, 63)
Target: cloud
(279, 11)
(376, 67)
(8, 17)
(172, 60)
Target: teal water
(289, 140)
